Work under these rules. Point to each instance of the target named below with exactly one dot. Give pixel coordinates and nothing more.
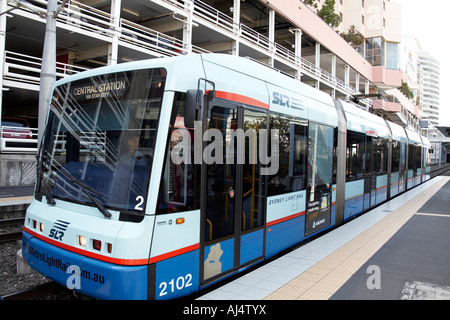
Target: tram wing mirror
(194, 101)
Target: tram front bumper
(98, 279)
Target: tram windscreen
(99, 140)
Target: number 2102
(179, 284)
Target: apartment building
(378, 23)
(284, 34)
(431, 86)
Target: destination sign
(99, 90)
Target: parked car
(16, 128)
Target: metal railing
(87, 18)
(254, 37)
(212, 15)
(25, 68)
(18, 140)
(102, 23)
(225, 22)
(153, 40)
(149, 39)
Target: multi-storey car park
(285, 35)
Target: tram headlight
(41, 227)
(82, 241)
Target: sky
(429, 22)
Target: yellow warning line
(323, 279)
(16, 198)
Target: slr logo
(286, 101)
(57, 232)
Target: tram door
(233, 203)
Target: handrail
(16, 143)
(86, 17)
(78, 14)
(216, 17)
(25, 68)
(150, 39)
(255, 37)
(90, 19)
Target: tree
(407, 92)
(353, 37)
(326, 12)
(328, 15)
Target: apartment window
(392, 55)
(375, 51)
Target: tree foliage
(326, 12)
(407, 92)
(353, 37)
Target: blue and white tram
(158, 178)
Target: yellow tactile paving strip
(16, 199)
(323, 279)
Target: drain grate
(416, 290)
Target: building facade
(283, 34)
(431, 86)
(379, 22)
(377, 29)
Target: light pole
(48, 68)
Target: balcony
(386, 78)
(389, 106)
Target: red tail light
(97, 244)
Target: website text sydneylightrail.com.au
(76, 273)
(234, 139)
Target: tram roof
(398, 133)
(364, 122)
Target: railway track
(443, 170)
(10, 236)
(11, 229)
(44, 290)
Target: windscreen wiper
(87, 189)
(41, 170)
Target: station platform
(397, 251)
(14, 201)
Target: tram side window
(380, 154)
(395, 156)
(355, 156)
(411, 162)
(418, 156)
(179, 190)
(402, 157)
(293, 148)
(320, 160)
